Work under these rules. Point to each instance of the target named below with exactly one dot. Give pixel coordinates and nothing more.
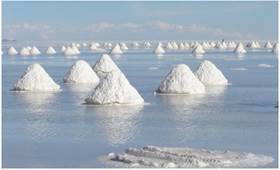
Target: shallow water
(58, 130)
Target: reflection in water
(198, 56)
(80, 91)
(216, 90)
(119, 123)
(35, 102)
(160, 56)
(36, 113)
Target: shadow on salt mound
(119, 123)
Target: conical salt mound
(275, 48)
(116, 49)
(114, 89)
(240, 49)
(123, 46)
(104, 66)
(81, 72)
(50, 50)
(24, 52)
(35, 78)
(198, 50)
(268, 45)
(34, 51)
(209, 74)
(69, 51)
(63, 48)
(159, 49)
(181, 80)
(12, 51)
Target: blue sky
(200, 20)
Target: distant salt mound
(95, 48)
(232, 45)
(147, 45)
(104, 66)
(114, 89)
(159, 50)
(198, 50)
(76, 50)
(63, 48)
(169, 46)
(174, 45)
(35, 78)
(187, 45)
(167, 157)
(240, 49)
(116, 50)
(50, 50)
(81, 72)
(209, 74)
(181, 46)
(275, 48)
(268, 45)
(34, 51)
(12, 51)
(253, 45)
(70, 51)
(123, 46)
(24, 52)
(181, 80)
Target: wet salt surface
(58, 130)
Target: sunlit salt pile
(147, 45)
(116, 50)
(50, 50)
(159, 50)
(167, 157)
(24, 52)
(268, 45)
(81, 72)
(35, 78)
(181, 46)
(34, 51)
(123, 46)
(181, 80)
(104, 66)
(12, 51)
(63, 48)
(253, 45)
(114, 88)
(95, 48)
(240, 49)
(198, 50)
(169, 46)
(71, 51)
(275, 48)
(209, 74)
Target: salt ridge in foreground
(164, 157)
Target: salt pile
(24, 52)
(123, 46)
(275, 48)
(116, 49)
(95, 48)
(253, 45)
(63, 48)
(50, 50)
(268, 45)
(167, 157)
(169, 46)
(181, 80)
(34, 51)
(12, 51)
(209, 74)
(159, 50)
(113, 89)
(71, 51)
(240, 49)
(147, 45)
(81, 72)
(104, 66)
(181, 46)
(198, 50)
(35, 78)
